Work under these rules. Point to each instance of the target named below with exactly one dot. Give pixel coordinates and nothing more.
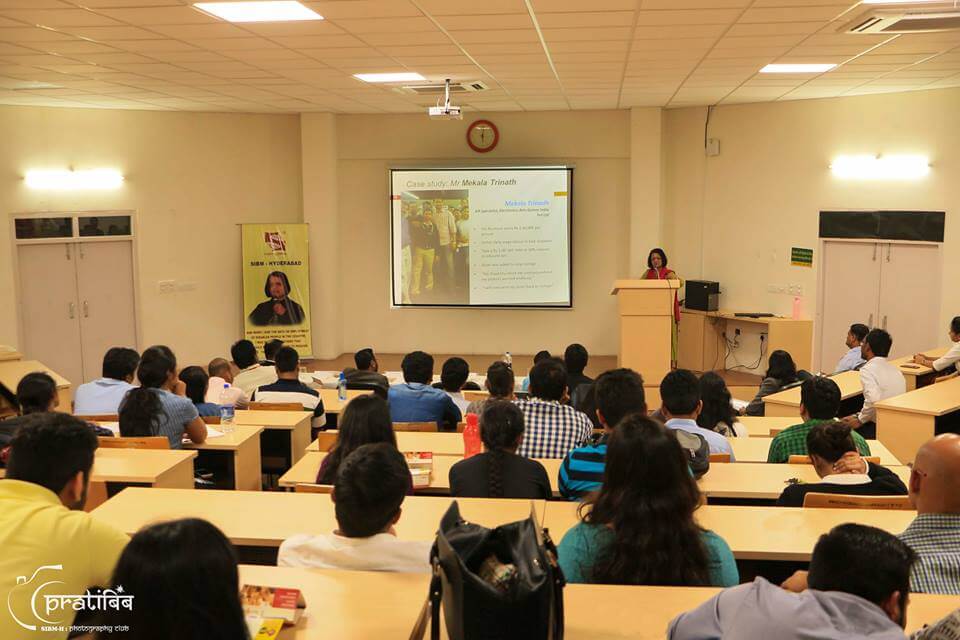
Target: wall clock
(482, 136)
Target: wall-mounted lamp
(67, 180)
(880, 167)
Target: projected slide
(481, 236)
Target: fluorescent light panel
(797, 68)
(66, 180)
(899, 1)
(389, 77)
(866, 167)
(275, 11)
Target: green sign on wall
(801, 257)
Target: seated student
(158, 406)
(857, 588)
(717, 413)
(499, 472)
(414, 400)
(781, 372)
(575, 359)
(288, 387)
(681, 405)
(367, 495)
(103, 396)
(951, 357)
(639, 528)
(184, 579)
(819, 403)
(365, 420)
(500, 383)
(196, 382)
(853, 359)
(46, 534)
(36, 393)
(827, 442)
(552, 427)
(270, 348)
(252, 374)
(367, 371)
(618, 394)
(935, 533)
(221, 381)
(453, 377)
(539, 357)
(880, 380)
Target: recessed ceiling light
(797, 68)
(389, 77)
(272, 11)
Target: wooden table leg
(246, 466)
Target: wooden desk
(163, 468)
(295, 423)
(762, 481)
(391, 603)
(12, 371)
(787, 403)
(242, 446)
(331, 399)
(756, 449)
(701, 345)
(906, 421)
(758, 533)
(761, 426)
(7, 354)
(918, 375)
(265, 519)
(441, 443)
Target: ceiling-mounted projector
(447, 111)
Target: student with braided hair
(499, 472)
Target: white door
(105, 301)
(851, 294)
(910, 297)
(49, 309)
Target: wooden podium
(646, 326)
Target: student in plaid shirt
(819, 403)
(552, 428)
(935, 533)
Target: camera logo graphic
(23, 581)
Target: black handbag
(529, 605)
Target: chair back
(313, 488)
(719, 457)
(210, 419)
(775, 430)
(422, 427)
(843, 501)
(103, 417)
(151, 442)
(471, 396)
(275, 406)
(806, 459)
(326, 440)
(376, 389)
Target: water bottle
(226, 410)
(508, 359)
(471, 436)
(342, 388)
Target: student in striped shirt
(619, 393)
(288, 387)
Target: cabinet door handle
(870, 321)
(875, 246)
(889, 248)
(884, 323)
(86, 309)
(67, 247)
(72, 310)
(80, 250)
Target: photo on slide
(436, 235)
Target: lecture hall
(470, 319)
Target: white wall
(734, 218)
(190, 177)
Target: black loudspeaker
(702, 295)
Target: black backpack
(697, 450)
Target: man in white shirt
(252, 374)
(370, 487)
(221, 375)
(951, 357)
(880, 380)
(854, 357)
(104, 395)
(447, 231)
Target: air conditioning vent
(439, 89)
(904, 21)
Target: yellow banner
(276, 285)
